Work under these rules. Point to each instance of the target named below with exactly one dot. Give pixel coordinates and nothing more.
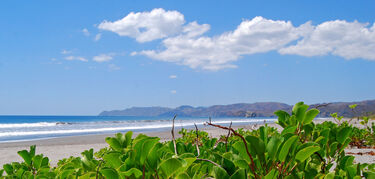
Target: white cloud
(85, 32)
(146, 26)
(113, 67)
(214, 53)
(173, 76)
(76, 58)
(187, 44)
(346, 39)
(64, 52)
(98, 36)
(103, 58)
(173, 91)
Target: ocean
(25, 128)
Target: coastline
(64, 147)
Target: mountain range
(259, 109)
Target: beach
(64, 147)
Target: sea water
(21, 128)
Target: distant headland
(259, 109)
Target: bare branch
(173, 138)
(226, 139)
(201, 159)
(197, 140)
(252, 165)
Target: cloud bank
(186, 43)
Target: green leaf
(128, 138)
(289, 130)
(310, 115)
(146, 148)
(299, 111)
(26, 156)
(240, 147)
(282, 118)
(305, 153)
(271, 175)
(114, 143)
(8, 169)
(170, 166)
(109, 173)
(285, 148)
(132, 172)
(343, 134)
(272, 146)
(240, 173)
(37, 161)
(113, 159)
(330, 175)
(183, 176)
(220, 173)
(258, 146)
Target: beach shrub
(301, 150)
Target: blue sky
(82, 57)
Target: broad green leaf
(128, 138)
(258, 146)
(114, 143)
(146, 148)
(285, 148)
(299, 111)
(32, 151)
(37, 161)
(346, 161)
(183, 176)
(240, 173)
(343, 134)
(282, 118)
(8, 169)
(220, 173)
(330, 175)
(153, 156)
(310, 115)
(26, 156)
(132, 172)
(272, 174)
(272, 146)
(109, 173)
(170, 166)
(305, 153)
(289, 130)
(113, 159)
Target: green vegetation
(302, 150)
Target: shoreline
(63, 147)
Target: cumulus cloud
(186, 43)
(214, 53)
(146, 26)
(173, 91)
(78, 58)
(173, 76)
(85, 32)
(103, 58)
(346, 39)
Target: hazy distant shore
(59, 148)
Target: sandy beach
(59, 148)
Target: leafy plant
(302, 150)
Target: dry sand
(64, 147)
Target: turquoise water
(20, 128)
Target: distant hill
(260, 109)
(137, 111)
